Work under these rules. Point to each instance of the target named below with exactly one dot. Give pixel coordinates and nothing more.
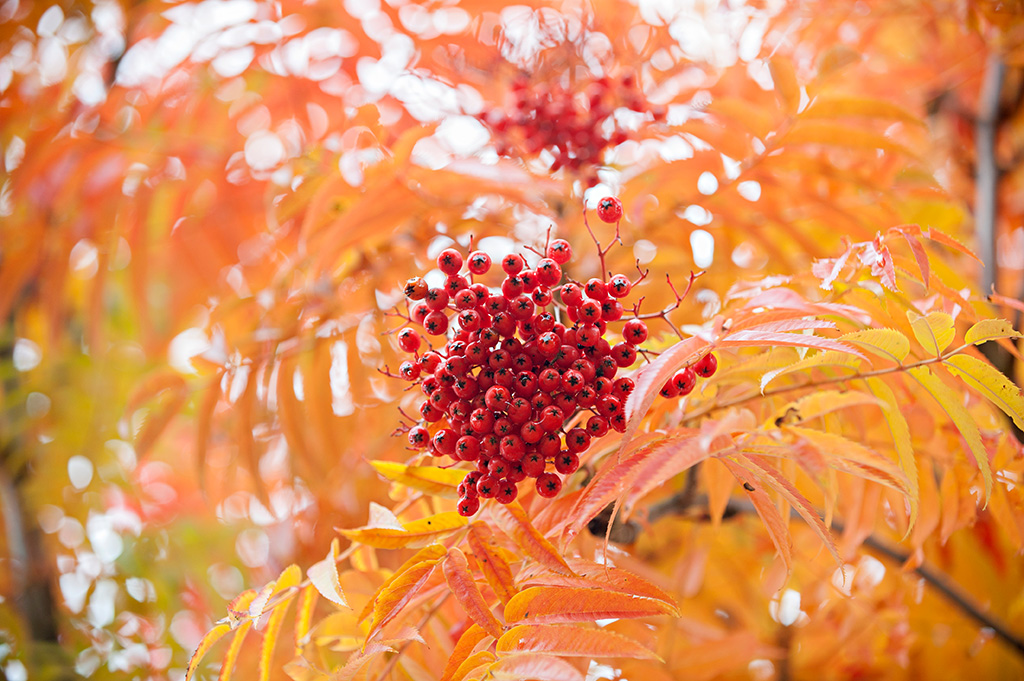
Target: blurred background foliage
(206, 208)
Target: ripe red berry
(597, 426)
(512, 264)
(707, 366)
(634, 332)
(577, 440)
(408, 340)
(437, 299)
(497, 397)
(619, 286)
(468, 506)
(548, 485)
(571, 294)
(560, 251)
(449, 261)
(479, 262)
(444, 441)
(410, 371)
(415, 288)
(684, 381)
(596, 289)
(467, 448)
(567, 463)
(436, 323)
(507, 492)
(609, 209)
(419, 437)
(548, 272)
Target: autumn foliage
(220, 230)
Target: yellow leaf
(211, 637)
(838, 106)
(428, 554)
(991, 329)
(304, 616)
(324, 576)
(288, 580)
(934, 332)
(997, 389)
(570, 641)
(554, 604)
(819, 359)
(900, 432)
(466, 591)
(240, 604)
(821, 402)
(954, 408)
(786, 86)
(438, 482)
(886, 343)
(415, 534)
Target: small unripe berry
(415, 288)
(609, 209)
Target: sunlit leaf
(286, 583)
(518, 526)
(442, 482)
(900, 432)
(528, 666)
(950, 403)
(553, 604)
(786, 86)
(841, 106)
(570, 641)
(396, 594)
(934, 332)
(416, 533)
(492, 563)
(209, 638)
(991, 329)
(463, 649)
(997, 388)
(770, 516)
(324, 576)
(466, 591)
(886, 343)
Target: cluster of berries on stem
(526, 378)
(576, 124)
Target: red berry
(548, 272)
(597, 426)
(577, 440)
(419, 437)
(669, 390)
(487, 487)
(419, 312)
(444, 441)
(707, 366)
(619, 286)
(479, 262)
(548, 485)
(468, 506)
(467, 448)
(634, 332)
(410, 371)
(507, 492)
(609, 209)
(567, 463)
(512, 264)
(596, 289)
(497, 397)
(533, 464)
(437, 299)
(436, 323)
(449, 261)
(571, 294)
(684, 381)
(560, 251)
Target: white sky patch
(184, 347)
(786, 609)
(698, 215)
(80, 471)
(341, 389)
(749, 189)
(702, 243)
(707, 183)
(27, 354)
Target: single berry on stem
(707, 366)
(609, 209)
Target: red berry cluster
(684, 380)
(571, 123)
(511, 375)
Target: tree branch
(687, 503)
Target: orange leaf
(786, 87)
(770, 516)
(518, 526)
(465, 590)
(304, 616)
(396, 595)
(463, 649)
(533, 666)
(359, 658)
(239, 605)
(595, 575)
(432, 554)
(570, 641)
(554, 604)
(492, 564)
